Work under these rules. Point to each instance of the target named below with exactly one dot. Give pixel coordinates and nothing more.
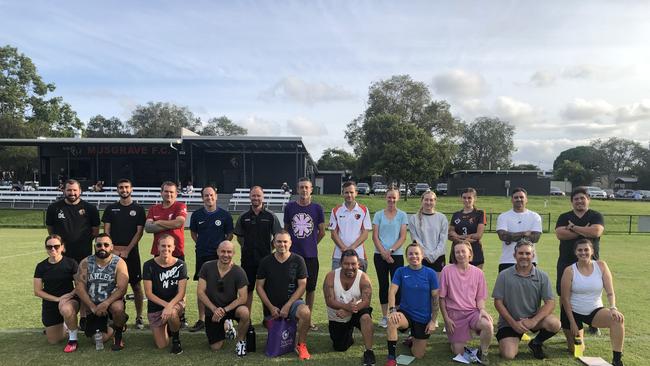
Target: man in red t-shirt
(168, 217)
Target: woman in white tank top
(582, 287)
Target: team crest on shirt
(61, 215)
(457, 221)
(82, 212)
(132, 213)
(357, 216)
(302, 225)
(217, 222)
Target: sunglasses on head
(102, 245)
(50, 247)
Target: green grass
(21, 342)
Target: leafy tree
(100, 126)
(223, 126)
(162, 120)
(589, 157)
(487, 143)
(620, 157)
(524, 167)
(574, 172)
(336, 159)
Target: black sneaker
(176, 347)
(537, 349)
(184, 324)
(594, 331)
(617, 363)
(200, 324)
(82, 324)
(369, 358)
(117, 346)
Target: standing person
(168, 217)
(468, 224)
(517, 294)
(349, 224)
(305, 222)
(418, 309)
(388, 234)
(281, 282)
(209, 226)
(222, 290)
(54, 283)
(517, 224)
(101, 283)
(124, 222)
(255, 229)
(463, 292)
(581, 222)
(74, 220)
(165, 281)
(348, 292)
(582, 288)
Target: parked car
(596, 192)
(441, 189)
(379, 188)
(555, 191)
(624, 193)
(610, 193)
(403, 190)
(363, 188)
(421, 188)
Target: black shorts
(437, 265)
(215, 331)
(199, 263)
(50, 314)
(134, 266)
(418, 330)
(579, 318)
(312, 273)
(508, 332)
(94, 322)
(251, 274)
(341, 333)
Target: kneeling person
(165, 281)
(222, 288)
(347, 293)
(101, 283)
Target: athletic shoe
(594, 331)
(82, 324)
(390, 362)
(117, 346)
(313, 328)
(176, 347)
(617, 363)
(383, 322)
(70, 347)
(444, 329)
(184, 324)
(525, 337)
(240, 348)
(231, 332)
(482, 357)
(301, 350)
(139, 323)
(199, 325)
(537, 349)
(368, 358)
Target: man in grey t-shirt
(518, 293)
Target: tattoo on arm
(82, 271)
(366, 293)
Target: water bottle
(250, 339)
(99, 341)
(577, 347)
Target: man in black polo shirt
(74, 220)
(255, 229)
(124, 222)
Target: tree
(336, 159)
(487, 143)
(574, 172)
(223, 126)
(162, 120)
(524, 167)
(100, 126)
(621, 157)
(589, 157)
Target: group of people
(282, 266)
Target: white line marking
(20, 255)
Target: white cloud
(542, 152)
(294, 89)
(460, 83)
(257, 126)
(580, 109)
(634, 112)
(543, 78)
(301, 126)
(585, 71)
(513, 110)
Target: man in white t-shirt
(349, 224)
(516, 224)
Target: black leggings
(383, 268)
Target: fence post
(629, 228)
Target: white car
(596, 192)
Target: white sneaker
(231, 332)
(240, 348)
(383, 322)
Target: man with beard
(124, 222)
(74, 220)
(168, 217)
(101, 283)
(347, 293)
(305, 222)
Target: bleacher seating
(273, 199)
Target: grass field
(21, 341)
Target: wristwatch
(392, 250)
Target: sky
(562, 72)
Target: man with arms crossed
(347, 293)
(349, 223)
(305, 222)
(517, 294)
(101, 283)
(168, 217)
(124, 222)
(516, 224)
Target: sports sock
(392, 347)
(72, 335)
(175, 335)
(542, 336)
(118, 334)
(617, 356)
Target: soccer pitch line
(20, 255)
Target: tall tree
(621, 157)
(100, 126)
(487, 143)
(589, 157)
(162, 120)
(524, 167)
(223, 126)
(336, 159)
(574, 172)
